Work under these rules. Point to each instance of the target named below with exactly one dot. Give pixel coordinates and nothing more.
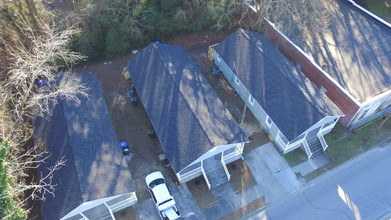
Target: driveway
(274, 179)
(271, 172)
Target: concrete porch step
(315, 147)
(216, 176)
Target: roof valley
(73, 151)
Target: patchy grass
(343, 147)
(125, 214)
(256, 140)
(381, 8)
(295, 157)
(337, 133)
(359, 141)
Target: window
(251, 99)
(218, 58)
(237, 80)
(269, 121)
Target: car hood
(153, 176)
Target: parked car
(164, 202)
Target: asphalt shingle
(290, 100)
(187, 115)
(83, 134)
(356, 48)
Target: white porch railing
(225, 167)
(124, 203)
(190, 173)
(238, 151)
(322, 131)
(281, 142)
(321, 138)
(233, 154)
(326, 129)
(203, 173)
(306, 147)
(323, 142)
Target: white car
(162, 197)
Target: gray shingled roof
(284, 93)
(356, 49)
(187, 115)
(82, 132)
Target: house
(292, 110)
(197, 133)
(351, 60)
(95, 181)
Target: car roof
(161, 193)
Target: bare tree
(301, 18)
(32, 48)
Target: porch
(213, 168)
(311, 141)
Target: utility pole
(245, 107)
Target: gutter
(381, 20)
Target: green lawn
(382, 8)
(343, 147)
(295, 157)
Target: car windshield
(156, 182)
(165, 201)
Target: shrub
(9, 207)
(117, 42)
(110, 27)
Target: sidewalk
(275, 182)
(262, 214)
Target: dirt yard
(131, 122)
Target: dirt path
(130, 122)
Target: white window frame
(237, 80)
(251, 99)
(269, 121)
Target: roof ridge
(283, 74)
(77, 169)
(180, 92)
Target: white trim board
(370, 13)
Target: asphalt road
(359, 189)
